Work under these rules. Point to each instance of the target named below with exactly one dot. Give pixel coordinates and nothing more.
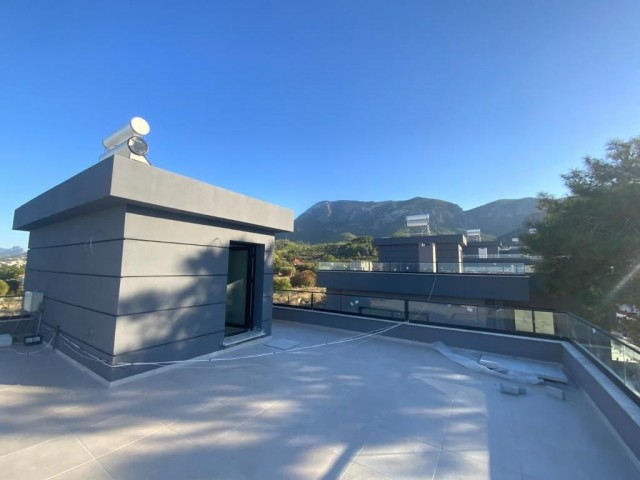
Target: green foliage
(4, 288)
(14, 286)
(282, 267)
(360, 248)
(590, 240)
(347, 237)
(8, 272)
(305, 278)
(301, 267)
(281, 283)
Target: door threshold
(243, 337)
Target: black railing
(10, 305)
(13, 321)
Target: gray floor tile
(493, 446)
(358, 472)
(89, 471)
(398, 457)
(244, 457)
(17, 433)
(416, 424)
(44, 460)
(162, 455)
(107, 436)
(454, 466)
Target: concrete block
(554, 392)
(509, 389)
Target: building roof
(376, 408)
(119, 180)
(416, 239)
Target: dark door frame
(249, 310)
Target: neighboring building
(482, 249)
(430, 253)
(415, 270)
(142, 265)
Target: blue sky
(295, 102)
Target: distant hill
(501, 217)
(331, 221)
(11, 252)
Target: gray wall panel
(267, 309)
(268, 261)
(134, 332)
(141, 258)
(268, 284)
(91, 292)
(148, 294)
(105, 224)
(186, 230)
(182, 350)
(94, 328)
(96, 258)
(266, 327)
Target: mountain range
(11, 252)
(332, 221)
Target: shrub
(4, 287)
(305, 278)
(312, 266)
(14, 286)
(285, 271)
(281, 283)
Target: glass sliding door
(240, 288)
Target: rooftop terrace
(375, 408)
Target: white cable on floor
(89, 356)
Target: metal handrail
(633, 347)
(564, 326)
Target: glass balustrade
(618, 357)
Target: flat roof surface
(370, 409)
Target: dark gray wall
(617, 407)
(490, 245)
(514, 288)
(448, 253)
(427, 254)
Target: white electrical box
(32, 301)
